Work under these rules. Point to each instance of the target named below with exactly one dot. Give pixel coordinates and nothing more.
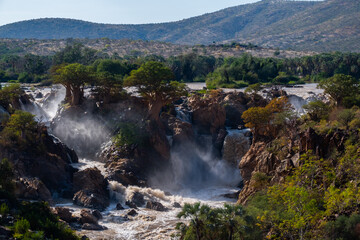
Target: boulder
(93, 227)
(137, 199)
(132, 213)
(91, 200)
(64, 214)
(86, 216)
(176, 205)
(131, 204)
(32, 189)
(125, 171)
(91, 189)
(157, 206)
(119, 207)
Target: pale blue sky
(111, 11)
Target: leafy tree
(153, 83)
(340, 86)
(73, 77)
(317, 110)
(22, 132)
(266, 120)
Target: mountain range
(331, 25)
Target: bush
(344, 227)
(129, 134)
(21, 226)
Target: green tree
(317, 110)
(339, 87)
(73, 77)
(153, 83)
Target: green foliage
(40, 217)
(230, 222)
(344, 228)
(339, 87)
(73, 77)
(129, 134)
(265, 121)
(4, 210)
(317, 110)
(21, 226)
(9, 95)
(153, 83)
(254, 88)
(21, 131)
(6, 184)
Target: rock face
(91, 189)
(208, 115)
(235, 105)
(52, 168)
(236, 145)
(136, 199)
(257, 159)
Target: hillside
(126, 47)
(299, 25)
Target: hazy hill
(317, 26)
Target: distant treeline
(217, 72)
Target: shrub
(344, 227)
(129, 134)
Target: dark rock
(156, 206)
(32, 189)
(93, 227)
(97, 214)
(5, 233)
(86, 216)
(234, 195)
(132, 213)
(91, 200)
(208, 115)
(64, 214)
(176, 205)
(84, 237)
(52, 167)
(119, 207)
(137, 198)
(131, 204)
(91, 189)
(39, 95)
(125, 171)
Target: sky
(111, 11)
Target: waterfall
(183, 114)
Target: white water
(214, 180)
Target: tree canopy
(153, 81)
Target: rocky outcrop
(64, 214)
(125, 171)
(32, 189)
(209, 116)
(322, 145)
(236, 145)
(91, 189)
(51, 167)
(235, 104)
